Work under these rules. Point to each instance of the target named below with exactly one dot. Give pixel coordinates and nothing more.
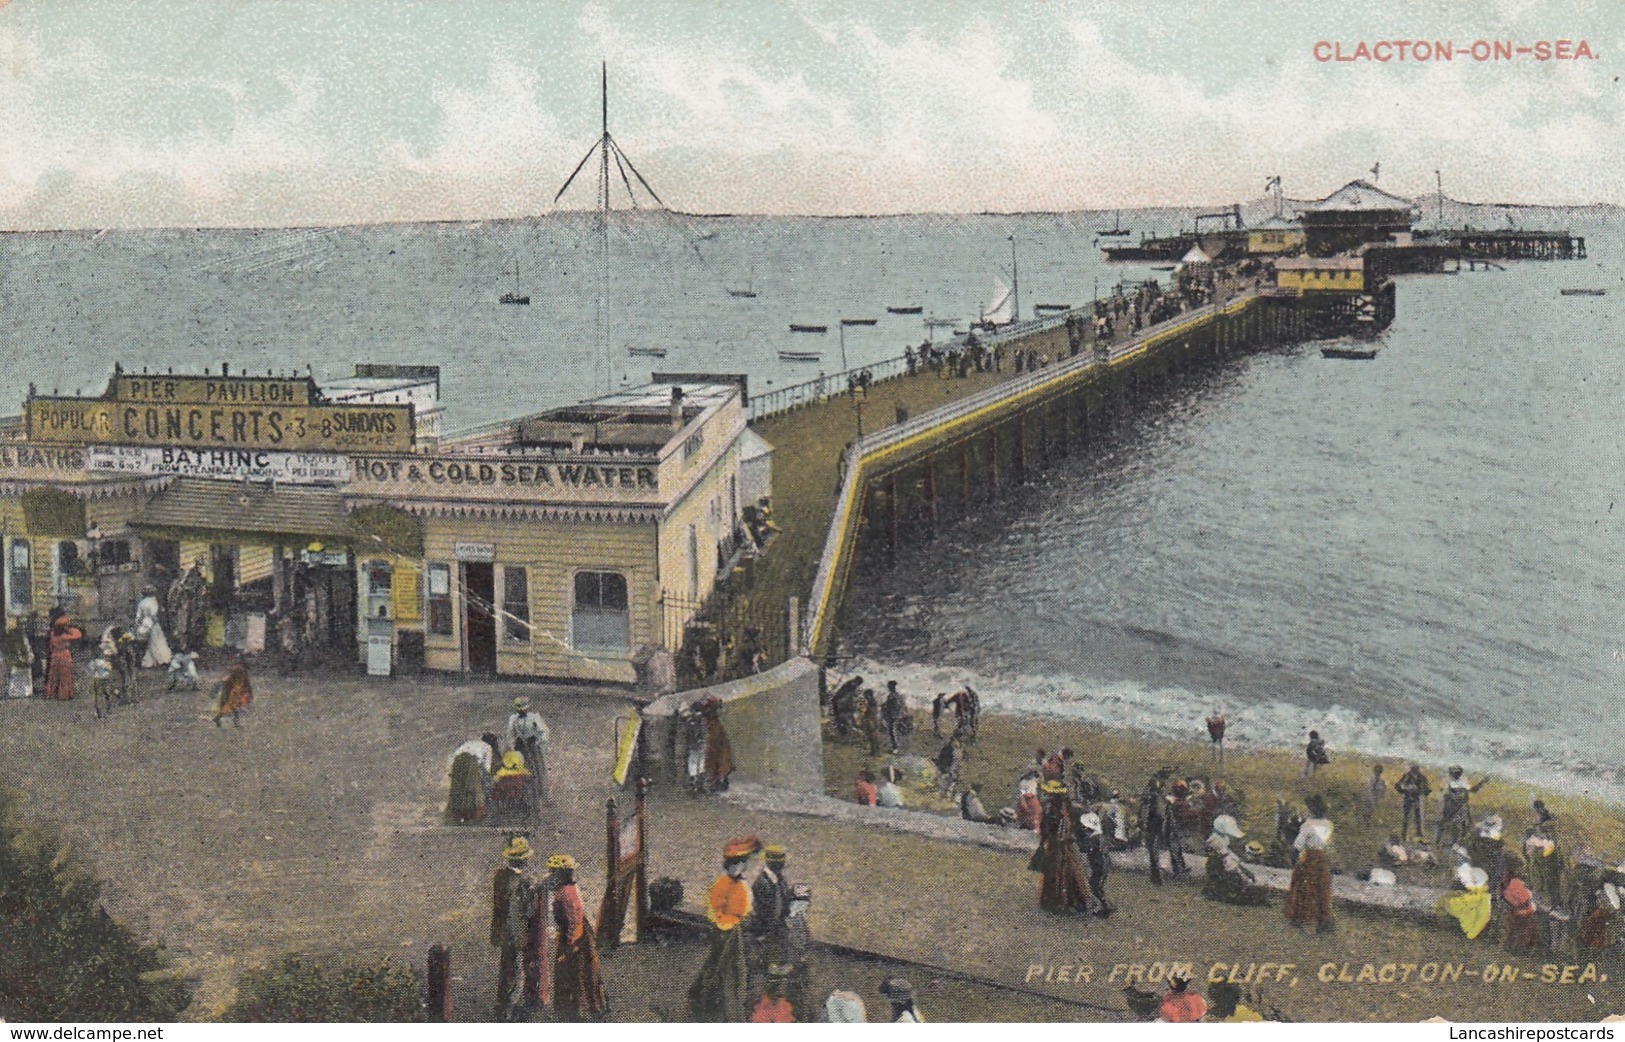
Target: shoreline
(1140, 709)
(1123, 758)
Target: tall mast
(1015, 283)
(1438, 179)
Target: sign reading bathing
(289, 468)
(291, 428)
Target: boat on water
(906, 309)
(796, 327)
(1583, 292)
(1002, 311)
(1116, 229)
(514, 296)
(1348, 352)
(800, 356)
(746, 292)
(1051, 308)
(647, 352)
(858, 321)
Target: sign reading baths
(292, 428)
(505, 473)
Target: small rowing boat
(799, 356)
(1583, 292)
(858, 321)
(907, 309)
(1348, 352)
(1052, 307)
(798, 328)
(647, 352)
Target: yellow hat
(521, 703)
(513, 760)
(775, 852)
(1053, 788)
(517, 849)
(560, 861)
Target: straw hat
(558, 861)
(513, 761)
(741, 848)
(1472, 877)
(1053, 788)
(521, 704)
(775, 854)
(1090, 821)
(517, 849)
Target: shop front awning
(225, 509)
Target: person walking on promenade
(578, 981)
(59, 661)
(1314, 755)
(692, 720)
(513, 904)
(149, 632)
(1215, 736)
(1309, 895)
(769, 908)
(719, 751)
(527, 735)
(1181, 1005)
(1153, 823)
(1062, 888)
(233, 694)
(718, 992)
(1413, 788)
(900, 993)
(1455, 812)
(1092, 845)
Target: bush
(299, 991)
(63, 957)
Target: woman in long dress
(149, 629)
(470, 770)
(578, 982)
(1063, 888)
(1309, 897)
(59, 670)
(234, 694)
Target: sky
(299, 112)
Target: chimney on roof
(676, 408)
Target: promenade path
(316, 828)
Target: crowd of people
(501, 780)
(538, 966)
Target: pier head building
(341, 524)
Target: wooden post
(993, 462)
(792, 626)
(440, 984)
(964, 475)
(1066, 428)
(1018, 459)
(931, 491)
(642, 891)
(891, 514)
(609, 935)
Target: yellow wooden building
(563, 544)
(1275, 235)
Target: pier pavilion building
(341, 524)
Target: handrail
(871, 447)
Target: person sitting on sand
(1468, 900)
(863, 789)
(970, 806)
(1228, 880)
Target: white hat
(844, 1007)
(1383, 877)
(1090, 821)
(1471, 877)
(1490, 827)
(1225, 825)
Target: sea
(1418, 556)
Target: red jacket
(1182, 1007)
(864, 792)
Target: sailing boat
(514, 297)
(1002, 311)
(1116, 228)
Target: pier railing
(875, 448)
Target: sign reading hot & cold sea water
(288, 468)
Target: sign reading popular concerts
(246, 425)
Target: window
(67, 558)
(599, 618)
(516, 604)
(20, 576)
(440, 624)
(112, 552)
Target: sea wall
(773, 724)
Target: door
(479, 624)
